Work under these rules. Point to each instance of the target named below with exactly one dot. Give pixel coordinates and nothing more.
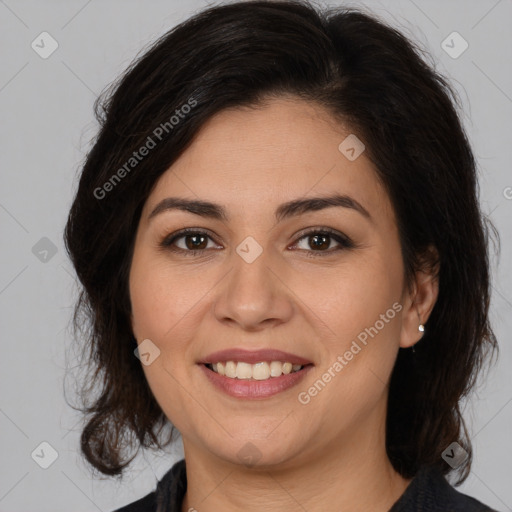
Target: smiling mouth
(261, 371)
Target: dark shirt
(429, 491)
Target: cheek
(150, 312)
(361, 307)
(160, 297)
(160, 303)
(354, 296)
(166, 307)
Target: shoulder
(429, 491)
(169, 493)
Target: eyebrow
(284, 211)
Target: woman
(283, 257)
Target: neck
(354, 475)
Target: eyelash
(344, 241)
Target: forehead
(252, 159)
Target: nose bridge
(252, 293)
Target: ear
(419, 301)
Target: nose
(253, 296)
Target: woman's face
(267, 279)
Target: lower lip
(254, 389)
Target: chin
(258, 453)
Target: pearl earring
(421, 328)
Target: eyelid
(344, 242)
(334, 233)
(169, 239)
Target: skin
(329, 454)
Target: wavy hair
(370, 77)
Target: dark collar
(172, 488)
(428, 492)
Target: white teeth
(243, 371)
(230, 369)
(258, 371)
(276, 368)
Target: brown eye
(318, 241)
(187, 241)
(194, 242)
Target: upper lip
(253, 356)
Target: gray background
(47, 124)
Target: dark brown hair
(370, 77)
